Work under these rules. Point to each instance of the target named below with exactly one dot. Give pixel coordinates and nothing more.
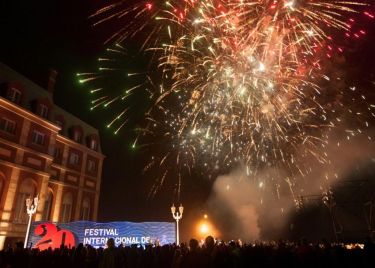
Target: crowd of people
(209, 254)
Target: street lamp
(31, 206)
(177, 216)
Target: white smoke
(251, 207)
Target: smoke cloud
(260, 206)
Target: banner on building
(47, 234)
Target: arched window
(43, 110)
(14, 95)
(77, 136)
(66, 207)
(76, 133)
(85, 213)
(27, 190)
(48, 206)
(92, 141)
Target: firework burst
(238, 81)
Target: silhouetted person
(110, 258)
(212, 254)
(303, 251)
(369, 248)
(20, 257)
(210, 251)
(194, 258)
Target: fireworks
(116, 72)
(237, 81)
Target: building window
(66, 207)
(27, 190)
(14, 95)
(74, 159)
(48, 206)
(77, 136)
(7, 126)
(94, 144)
(57, 153)
(85, 213)
(38, 137)
(43, 110)
(91, 165)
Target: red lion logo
(53, 237)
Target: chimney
(51, 80)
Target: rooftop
(33, 92)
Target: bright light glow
(261, 68)
(289, 4)
(204, 229)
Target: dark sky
(39, 35)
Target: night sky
(39, 35)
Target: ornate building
(44, 151)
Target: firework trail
(238, 81)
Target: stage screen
(47, 234)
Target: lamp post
(31, 206)
(177, 215)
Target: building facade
(44, 151)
